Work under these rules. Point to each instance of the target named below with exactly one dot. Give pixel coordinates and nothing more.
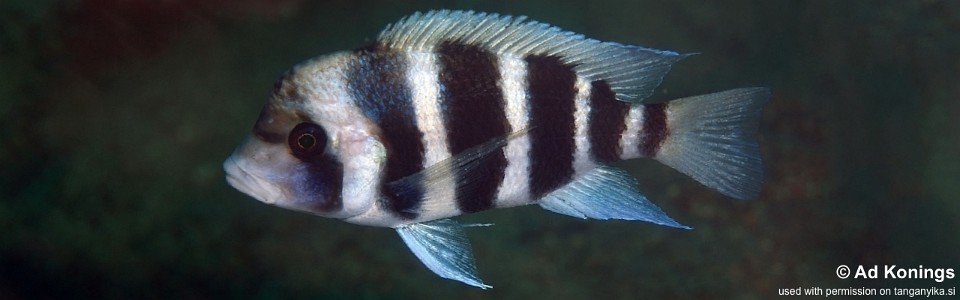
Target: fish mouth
(248, 183)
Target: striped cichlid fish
(455, 112)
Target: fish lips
(248, 183)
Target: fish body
(453, 112)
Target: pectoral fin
(461, 168)
(443, 247)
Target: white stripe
(515, 190)
(630, 139)
(582, 163)
(423, 79)
(332, 107)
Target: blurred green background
(116, 115)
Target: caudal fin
(713, 138)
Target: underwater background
(115, 117)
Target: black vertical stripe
(552, 94)
(654, 129)
(323, 177)
(320, 182)
(378, 84)
(607, 117)
(474, 113)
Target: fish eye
(307, 140)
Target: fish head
(306, 152)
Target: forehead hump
(268, 127)
(282, 110)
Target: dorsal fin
(631, 71)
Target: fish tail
(713, 139)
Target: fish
(452, 112)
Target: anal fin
(606, 193)
(443, 247)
